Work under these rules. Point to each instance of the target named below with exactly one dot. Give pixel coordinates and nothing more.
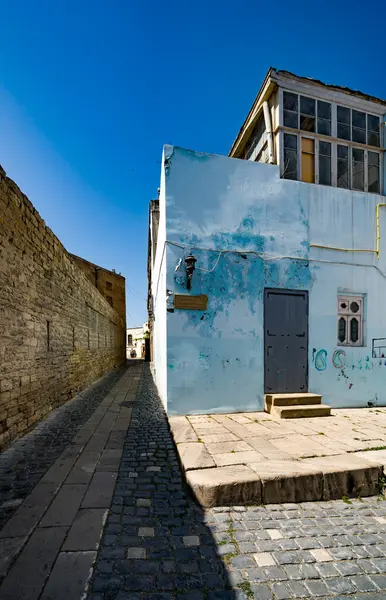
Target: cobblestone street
(157, 543)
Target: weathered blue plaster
(215, 359)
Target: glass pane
(324, 110)
(359, 135)
(324, 127)
(373, 123)
(307, 123)
(290, 101)
(324, 170)
(358, 119)
(343, 132)
(342, 180)
(325, 148)
(343, 115)
(358, 169)
(342, 329)
(307, 106)
(358, 154)
(354, 307)
(290, 170)
(290, 141)
(343, 152)
(373, 131)
(354, 330)
(373, 172)
(373, 138)
(290, 119)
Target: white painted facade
(250, 230)
(135, 341)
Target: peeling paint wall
(215, 358)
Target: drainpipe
(268, 127)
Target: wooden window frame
(332, 139)
(348, 315)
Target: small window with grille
(350, 320)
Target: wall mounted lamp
(190, 267)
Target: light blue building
(288, 293)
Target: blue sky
(91, 90)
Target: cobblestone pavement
(26, 461)
(159, 545)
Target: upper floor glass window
(357, 126)
(345, 161)
(315, 116)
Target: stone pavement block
(229, 446)
(59, 470)
(86, 530)
(216, 438)
(224, 486)
(30, 512)
(84, 468)
(237, 458)
(288, 481)
(100, 490)
(96, 443)
(375, 456)
(65, 506)
(194, 455)
(346, 475)
(116, 440)
(29, 573)
(110, 460)
(182, 430)
(9, 548)
(69, 577)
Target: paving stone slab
(69, 577)
(375, 456)
(65, 505)
(225, 486)
(60, 469)
(347, 475)
(31, 511)
(9, 549)
(29, 573)
(110, 460)
(182, 430)
(100, 490)
(194, 455)
(288, 481)
(86, 530)
(84, 468)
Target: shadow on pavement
(156, 542)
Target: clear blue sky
(91, 90)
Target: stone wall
(110, 284)
(58, 334)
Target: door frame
(285, 291)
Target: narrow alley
(93, 500)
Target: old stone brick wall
(110, 284)
(58, 334)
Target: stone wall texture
(110, 284)
(58, 334)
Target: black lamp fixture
(190, 266)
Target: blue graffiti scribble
(321, 360)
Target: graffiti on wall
(339, 359)
(321, 360)
(379, 348)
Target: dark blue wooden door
(285, 341)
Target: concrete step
(302, 411)
(290, 400)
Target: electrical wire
(262, 255)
